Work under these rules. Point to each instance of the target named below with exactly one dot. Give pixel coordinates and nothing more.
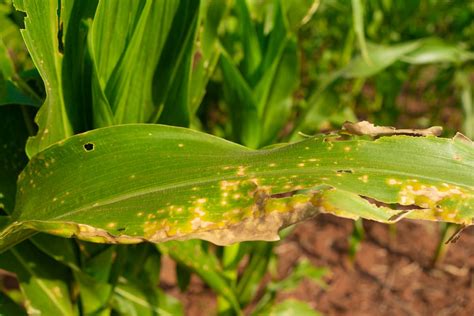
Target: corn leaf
(134, 183)
(172, 78)
(191, 255)
(206, 50)
(41, 281)
(41, 38)
(9, 307)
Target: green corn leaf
(41, 38)
(7, 67)
(60, 249)
(380, 56)
(435, 50)
(250, 41)
(358, 25)
(299, 12)
(172, 78)
(467, 100)
(275, 91)
(290, 307)
(9, 307)
(130, 298)
(280, 78)
(13, 136)
(41, 281)
(94, 280)
(129, 88)
(76, 66)
(134, 183)
(255, 271)
(206, 50)
(192, 255)
(242, 105)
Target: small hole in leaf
(88, 147)
(345, 171)
(121, 229)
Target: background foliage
(253, 72)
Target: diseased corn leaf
(134, 183)
(41, 281)
(41, 38)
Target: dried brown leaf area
(367, 128)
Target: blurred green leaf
(41, 280)
(13, 136)
(467, 97)
(291, 307)
(358, 25)
(9, 307)
(95, 282)
(130, 299)
(380, 58)
(299, 12)
(254, 272)
(434, 50)
(60, 249)
(191, 255)
(242, 106)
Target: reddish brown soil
(392, 273)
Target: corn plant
(106, 185)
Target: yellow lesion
(441, 202)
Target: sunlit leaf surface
(134, 183)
